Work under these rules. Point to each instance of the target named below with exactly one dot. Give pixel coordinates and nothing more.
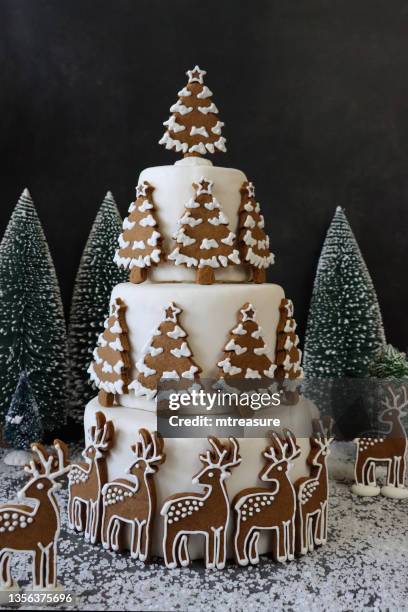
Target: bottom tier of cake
(182, 461)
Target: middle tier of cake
(208, 314)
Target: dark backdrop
(314, 95)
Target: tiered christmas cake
(197, 306)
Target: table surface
(363, 566)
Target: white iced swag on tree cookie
(194, 127)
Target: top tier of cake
(172, 190)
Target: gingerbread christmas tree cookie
(140, 243)
(168, 356)
(246, 354)
(194, 127)
(253, 241)
(204, 240)
(110, 370)
(288, 355)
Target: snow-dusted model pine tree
(253, 242)
(194, 127)
(204, 240)
(32, 325)
(344, 327)
(22, 424)
(168, 356)
(389, 362)
(110, 369)
(246, 354)
(97, 275)
(140, 243)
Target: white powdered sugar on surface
(362, 566)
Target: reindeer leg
(291, 539)
(253, 547)
(95, 523)
(210, 548)
(169, 546)
(242, 533)
(317, 528)
(221, 549)
(182, 552)
(115, 532)
(136, 538)
(38, 566)
(6, 581)
(401, 472)
(143, 541)
(310, 532)
(70, 512)
(50, 566)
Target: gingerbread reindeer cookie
(312, 491)
(35, 528)
(86, 481)
(133, 502)
(206, 514)
(388, 448)
(271, 509)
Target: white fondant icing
(200, 304)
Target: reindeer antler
(222, 455)
(283, 448)
(101, 434)
(396, 398)
(149, 447)
(48, 465)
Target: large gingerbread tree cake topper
(246, 354)
(167, 357)
(204, 240)
(253, 242)
(194, 127)
(110, 370)
(140, 243)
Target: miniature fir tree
(194, 127)
(246, 354)
(288, 355)
(167, 357)
(389, 362)
(22, 422)
(253, 242)
(140, 243)
(110, 370)
(32, 326)
(344, 328)
(97, 275)
(204, 240)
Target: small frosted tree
(32, 325)
(344, 327)
(23, 423)
(95, 279)
(389, 363)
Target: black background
(314, 95)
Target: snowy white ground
(364, 564)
